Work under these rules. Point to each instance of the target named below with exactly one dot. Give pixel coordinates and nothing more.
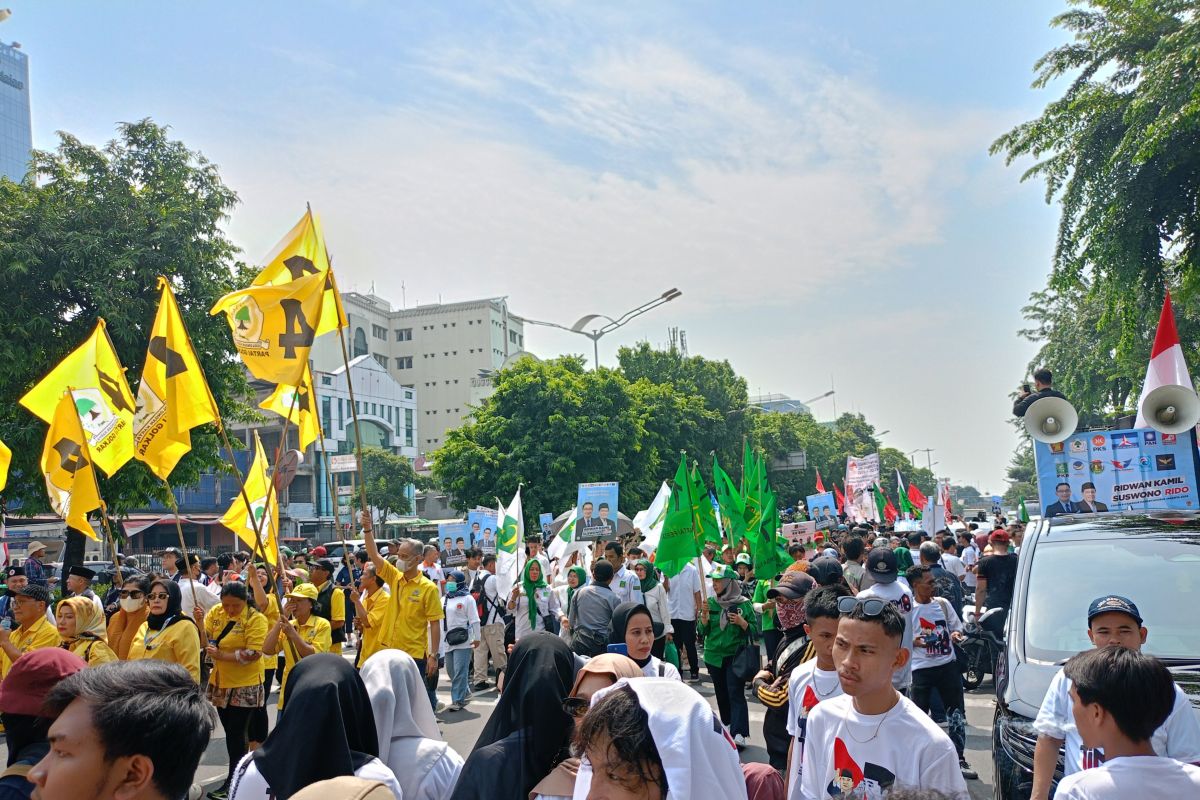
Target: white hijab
(698, 755)
(409, 740)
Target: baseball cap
(723, 572)
(303, 591)
(792, 586)
(743, 558)
(345, 787)
(33, 675)
(1113, 602)
(826, 571)
(326, 564)
(319, 551)
(881, 563)
(999, 536)
(880, 541)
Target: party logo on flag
(1150, 437)
(1143, 461)
(1056, 447)
(1097, 466)
(1098, 440)
(1124, 440)
(147, 413)
(1077, 465)
(1169, 438)
(247, 325)
(97, 418)
(1121, 465)
(1060, 469)
(1078, 446)
(1165, 461)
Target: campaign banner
(799, 532)
(1138, 468)
(545, 520)
(822, 510)
(482, 524)
(862, 473)
(597, 511)
(453, 540)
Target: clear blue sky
(813, 176)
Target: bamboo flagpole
(187, 563)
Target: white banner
(861, 474)
(347, 463)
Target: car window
(1160, 574)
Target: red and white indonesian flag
(1166, 366)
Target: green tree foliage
(1022, 477)
(84, 236)
(387, 477)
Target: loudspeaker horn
(1051, 420)
(1171, 408)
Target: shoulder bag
(456, 635)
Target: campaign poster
(862, 473)
(1138, 468)
(453, 540)
(799, 532)
(822, 509)
(482, 524)
(545, 520)
(597, 511)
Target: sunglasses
(871, 607)
(136, 594)
(575, 706)
(165, 596)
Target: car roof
(1120, 524)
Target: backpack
(478, 594)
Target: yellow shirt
(377, 609)
(178, 643)
(337, 613)
(93, 651)
(315, 632)
(272, 614)
(248, 631)
(414, 604)
(37, 636)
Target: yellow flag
(241, 519)
(297, 403)
(302, 252)
(173, 396)
(5, 462)
(273, 326)
(70, 479)
(94, 373)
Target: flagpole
(337, 525)
(187, 564)
(275, 471)
(87, 453)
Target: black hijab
(325, 730)
(21, 731)
(174, 612)
(620, 623)
(528, 718)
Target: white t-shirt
(806, 687)
(250, 784)
(1178, 737)
(546, 604)
(624, 582)
(898, 595)
(1132, 776)
(434, 573)
(856, 756)
(969, 558)
(954, 565)
(461, 612)
(681, 595)
(935, 621)
(657, 668)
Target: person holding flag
(728, 622)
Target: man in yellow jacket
(34, 631)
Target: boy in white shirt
(888, 585)
(872, 739)
(1119, 698)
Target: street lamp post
(612, 324)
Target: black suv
(1151, 557)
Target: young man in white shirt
(624, 580)
(1112, 621)
(969, 554)
(814, 680)
(881, 566)
(1119, 698)
(873, 739)
(683, 595)
(950, 560)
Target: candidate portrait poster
(1096, 471)
(545, 520)
(822, 510)
(596, 511)
(482, 524)
(453, 540)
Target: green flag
(1022, 512)
(703, 513)
(733, 510)
(880, 501)
(766, 554)
(678, 543)
(752, 491)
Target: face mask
(405, 566)
(130, 605)
(451, 586)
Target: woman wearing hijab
(598, 673)
(81, 626)
(654, 598)
(657, 739)
(325, 730)
(531, 601)
(268, 603)
(728, 623)
(576, 579)
(529, 731)
(409, 740)
(298, 633)
(460, 621)
(168, 634)
(763, 782)
(633, 627)
(123, 625)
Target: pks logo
(1124, 440)
(1121, 465)
(1098, 440)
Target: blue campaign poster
(822, 509)
(482, 524)
(597, 510)
(545, 520)
(453, 540)
(1138, 468)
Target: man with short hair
(1119, 698)
(412, 623)
(969, 554)
(331, 602)
(172, 563)
(1064, 504)
(995, 579)
(208, 571)
(872, 738)
(881, 566)
(945, 584)
(591, 611)
(1042, 380)
(683, 597)
(852, 567)
(1089, 504)
(624, 580)
(109, 744)
(35, 570)
(492, 615)
(34, 631)
(430, 567)
(474, 558)
(609, 525)
(79, 584)
(914, 546)
(444, 555)
(1113, 621)
(950, 560)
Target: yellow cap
(303, 591)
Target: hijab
(530, 586)
(763, 782)
(699, 758)
(730, 596)
(89, 623)
(651, 579)
(620, 623)
(461, 580)
(174, 612)
(581, 574)
(326, 728)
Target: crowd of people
(597, 661)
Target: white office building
(16, 124)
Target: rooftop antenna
(403, 296)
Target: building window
(326, 380)
(327, 414)
(360, 342)
(379, 332)
(382, 359)
(512, 337)
(453, 324)
(408, 426)
(341, 417)
(455, 352)
(403, 334)
(404, 362)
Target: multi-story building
(446, 352)
(16, 125)
(779, 404)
